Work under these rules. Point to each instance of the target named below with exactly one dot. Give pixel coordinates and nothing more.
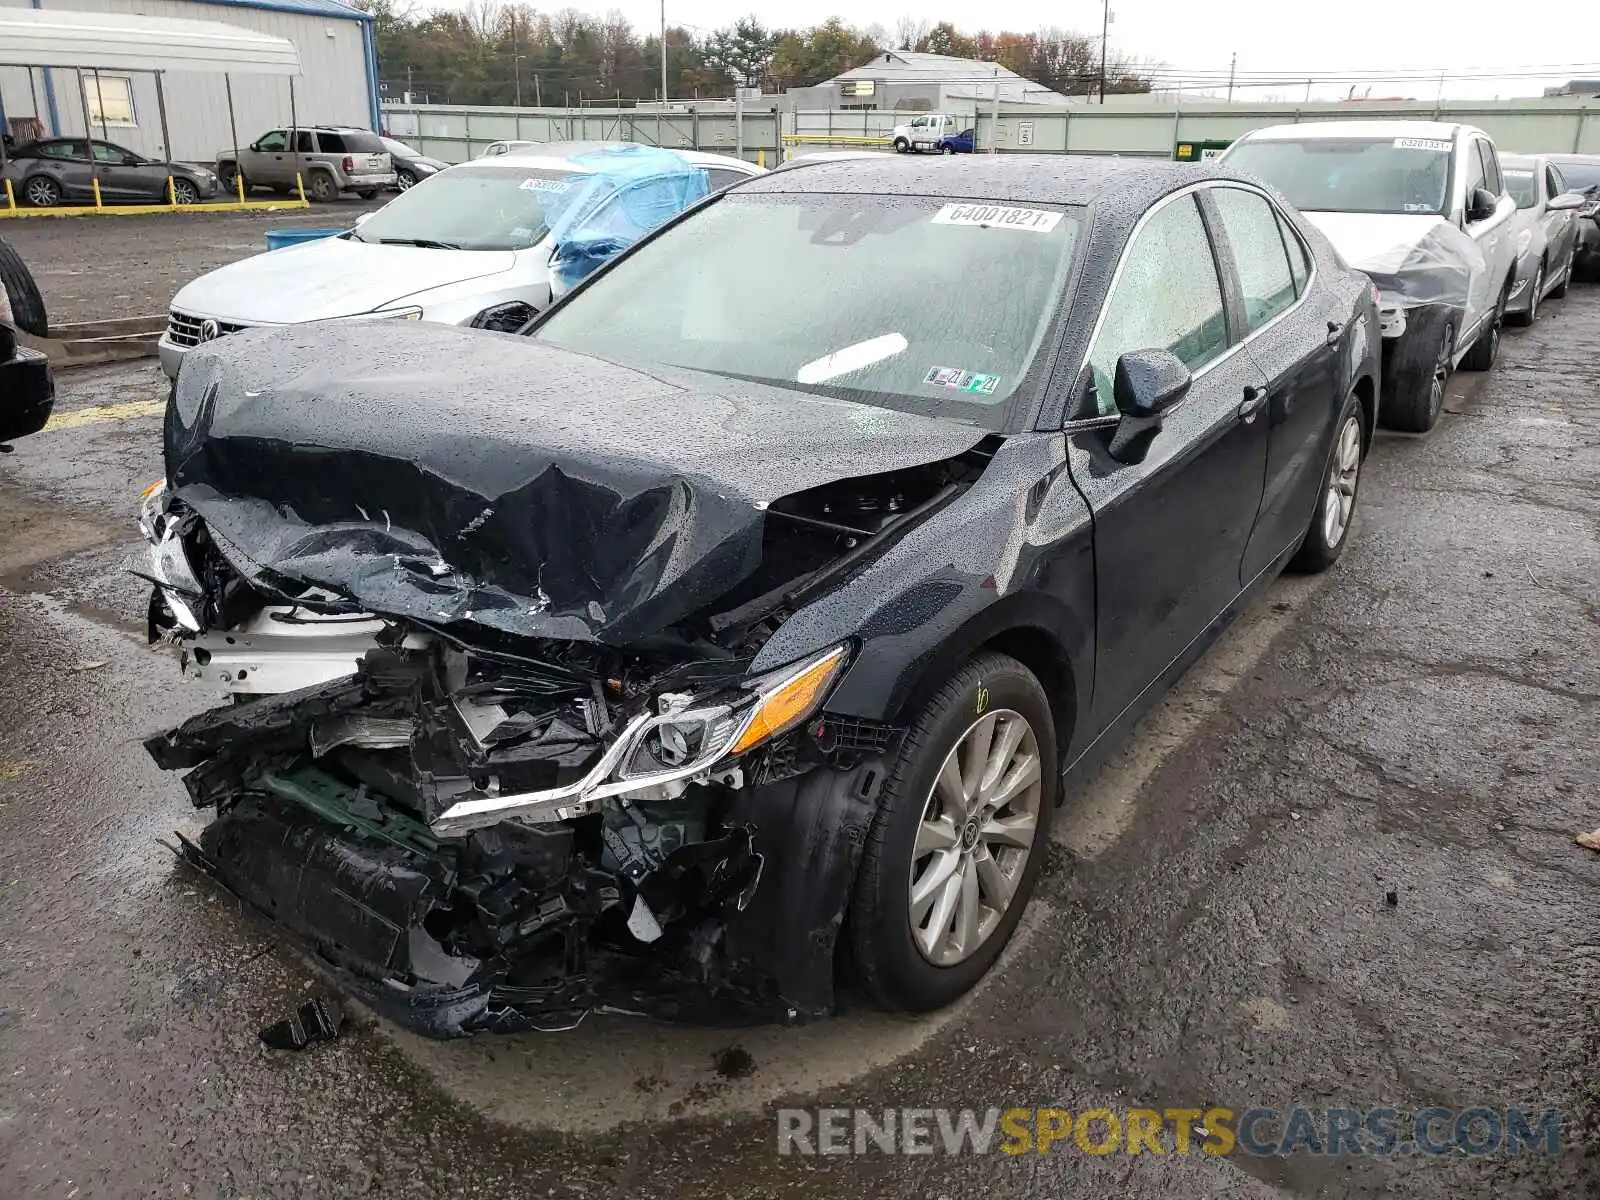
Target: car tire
(1416, 377)
(1561, 289)
(367, 193)
(41, 191)
(947, 149)
(27, 305)
(405, 180)
(901, 146)
(323, 189)
(1336, 498)
(1486, 349)
(185, 192)
(228, 177)
(1531, 314)
(896, 967)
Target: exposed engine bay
(479, 830)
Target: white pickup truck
(926, 132)
(1422, 208)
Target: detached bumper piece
(27, 389)
(717, 904)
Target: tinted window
(1491, 168)
(1299, 259)
(303, 143)
(357, 141)
(62, 150)
(330, 143)
(721, 177)
(1580, 176)
(908, 303)
(1167, 297)
(1265, 281)
(1373, 175)
(276, 140)
(1522, 185)
(106, 153)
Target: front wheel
(1487, 348)
(184, 192)
(901, 146)
(1530, 314)
(960, 834)
(405, 181)
(1417, 373)
(229, 178)
(1336, 502)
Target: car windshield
(492, 207)
(1367, 175)
(917, 304)
(1520, 183)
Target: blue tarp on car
(627, 192)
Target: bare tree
(909, 32)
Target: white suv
(1421, 207)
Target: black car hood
(452, 476)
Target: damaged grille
(186, 330)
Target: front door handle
(1254, 398)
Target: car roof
(1052, 178)
(560, 155)
(1588, 160)
(1436, 130)
(1522, 160)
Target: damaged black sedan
(736, 630)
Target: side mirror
(1147, 384)
(1481, 204)
(1566, 202)
(363, 219)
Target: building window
(110, 99)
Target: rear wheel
(323, 188)
(1487, 348)
(1336, 503)
(1560, 289)
(1531, 314)
(1418, 372)
(42, 192)
(27, 305)
(959, 838)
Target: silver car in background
(1545, 228)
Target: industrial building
(336, 83)
(910, 81)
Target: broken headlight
(170, 568)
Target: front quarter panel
(1013, 551)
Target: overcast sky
(1268, 35)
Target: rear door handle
(1254, 398)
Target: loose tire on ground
(27, 305)
(885, 962)
(1416, 371)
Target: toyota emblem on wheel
(209, 331)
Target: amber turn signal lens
(791, 701)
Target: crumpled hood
(334, 277)
(1413, 258)
(449, 475)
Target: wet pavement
(1334, 868)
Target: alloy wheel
(1533, 300)
(42, 193)
(183, 192)
(404, 180)
(1343, 475)
(1441, 371)
(975, 837)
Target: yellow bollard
(761, 158)
(172, 195)
(300, 186)
(238, 179)
(96, 184)
(11, 197)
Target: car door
(1293, 334)
(121, 175)
(1170, 530)
(73, 167)
(1492, 234)
(1561, 226)
(268, 160)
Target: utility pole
(663, 53)
(1232, 67)
(516, 59)
(1105, 33)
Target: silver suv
(332, 159)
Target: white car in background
(471, 245)
(1422, 208)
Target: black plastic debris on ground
(318, 1020)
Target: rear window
(1523, 187)
(351, 142)
(1580, 175)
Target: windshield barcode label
(998, 216)
(1423, 144)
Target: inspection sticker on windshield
(999, 216)
(956, 380)
(544, 185)
(1423, 144)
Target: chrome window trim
(1192, 189)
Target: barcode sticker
(998, 216)
(1423, 144)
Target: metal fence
(1133, 126)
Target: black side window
(331, 143)
(1475, 175)
(303, 143)
(721, 177)
(1491, 168)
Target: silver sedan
(1545, 226)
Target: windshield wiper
(424, 243)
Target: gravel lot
(112, 267)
